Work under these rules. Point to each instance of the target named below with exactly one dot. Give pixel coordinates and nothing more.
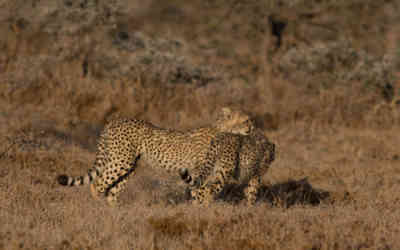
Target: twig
(8, 149)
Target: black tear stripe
(72, 182)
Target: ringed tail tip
(62, 180)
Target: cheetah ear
(226, 111)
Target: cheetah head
(234, 121)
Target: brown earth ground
(320, 77)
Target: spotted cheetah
(124, 141)
(232, 159)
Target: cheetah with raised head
(124, 141)
(232, 159)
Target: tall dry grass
(68, 67)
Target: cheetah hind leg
(113, 194)
(111, 183)
(93, 191)
(115, 188)
(97, 187)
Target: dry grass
(331, 106)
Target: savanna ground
(320, 77)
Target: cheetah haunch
(124, 141)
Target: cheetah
(232, 159)
(124, 141)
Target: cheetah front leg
(260, 167)
(200, 190)
(206, 193)
(221, 162)
(215, 183)
(252, 189)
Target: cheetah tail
(77, 181)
